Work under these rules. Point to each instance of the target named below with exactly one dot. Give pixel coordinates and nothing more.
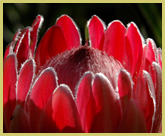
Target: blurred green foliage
(147, 16)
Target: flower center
(71, 65)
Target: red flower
(112, 84)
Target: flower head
(111, 84)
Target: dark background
(147, 16)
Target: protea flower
(111, 84)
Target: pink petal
(22, 47)
(19, 122)
(10, 47)
(24, 81)
(52, 43)
(150, 51)
(133, 45)
(160, 57)
(40, 94)
(144, 94)
(150, 107)
(150, 57)
(154, 48)
(9, 85)
(146, 64)
(16, 35)
(141, 96)
(34, 33)
(20, 39)
(9, 50)
(158, 93)
(133, 120)
(107, 111)
(70, 31)
(125, 85)
(60, 113)
(85, 101)
(114, 40)
(96, 32)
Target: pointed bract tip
(96, 17)
(132, 24)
